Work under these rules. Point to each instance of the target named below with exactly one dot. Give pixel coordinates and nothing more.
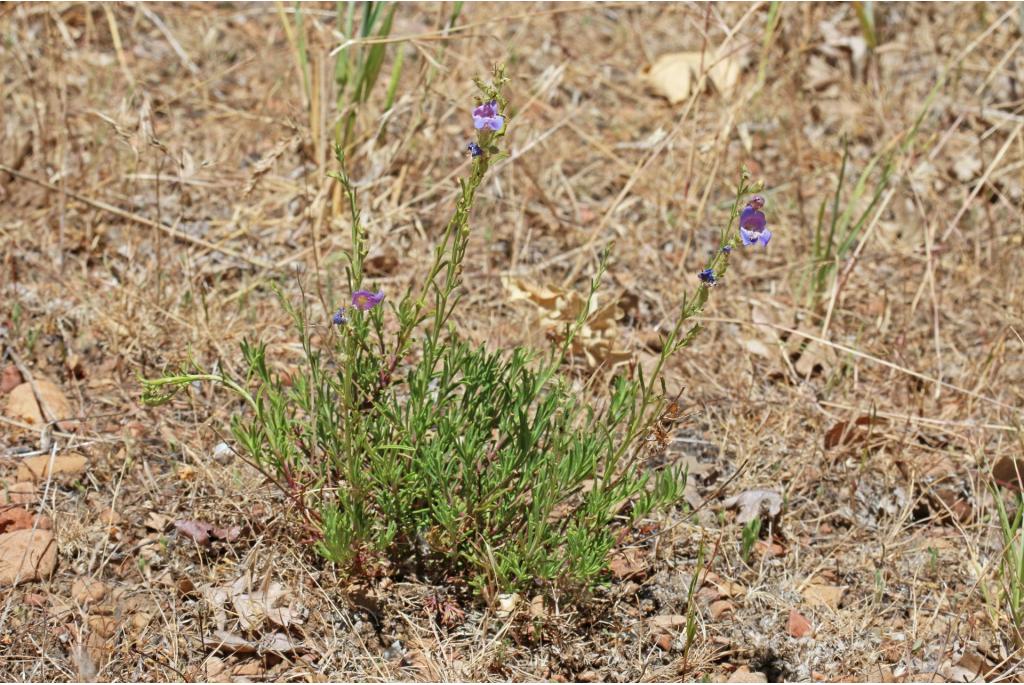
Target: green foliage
(402, 447)
(1011, 561)
(358, 64)
(751, 532)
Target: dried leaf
(22, 405)
(15, 518)
(222, 640)
(721, 608)
(667, 622)
(753, 502)
(42, 467)
(628, 563)
(10, 378)
(1009, 473)
(560, 308)
(673, 76)
(797, 625)
(26, 555)
(201, 532)
(845, 433)
(824, 595)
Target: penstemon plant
(405, 449)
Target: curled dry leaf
(22, 405)
(15, 518)
(845, 433)
(797, 625)
(42, 467)
(627, 563)
(674, 76)
(824, 595)
(201, 532)
(10, 378)
(753, 503)
(26, 555)
(560, 308)
(1009, 473)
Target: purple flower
(753, 224)
(726, 249)
(474, 149)
(707, 276)
(486, 116)
(339, 317)
(364, 300)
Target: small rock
(88, 591)
(39, 468)
(26, 555)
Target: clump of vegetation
(403, 446)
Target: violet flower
(707, 276)
(339, 318)
(753, 224)
(364, 300)
(475, 150)
(486, 116)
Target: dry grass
(134, 226)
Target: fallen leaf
(41, 467)
(627, 563)
(745, 675)
(673, 75)
(1009, 473)
(823, 595)
(506, 604)
(764, 548)
(274, 642)
(721, 608)
(88, 591)
(666, 622)
(22, 404)
(15, 518)
(10, 378)
(537, 609)
(560, 308)
(26, 555)
(753, 503)
(845, 433)
(797, 625)
(20, 493)
(664, 641)
(202, 532)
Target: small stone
(26, 555)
